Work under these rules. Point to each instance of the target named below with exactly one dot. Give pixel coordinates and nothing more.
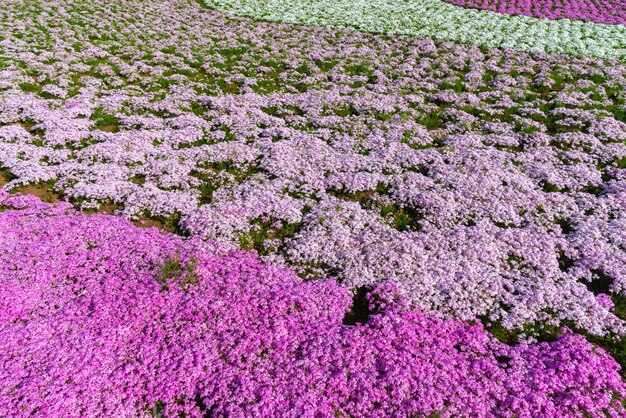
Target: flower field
(382, 213)
(438, 19)
(608, 12)
(218, 330)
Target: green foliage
(104, 120)
(264, 230)
(30, 87)
(433, 120)
(175, 271)
(402, 218)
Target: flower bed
(100, 317)
(391, 187)
(437, 19)
(599, 11)
(480, 183)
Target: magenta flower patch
(101, 318)
(600, 11)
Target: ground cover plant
(485, 185)
(102, 318)
(608, 12)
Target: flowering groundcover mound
(600, 11)
(100, 317)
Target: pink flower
(605, 300)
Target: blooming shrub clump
(100, 317)
(600, 11)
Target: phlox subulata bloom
(101, 318)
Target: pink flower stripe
(599, 11)
(101, 318)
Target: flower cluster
(599, 11)
(101, 318)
